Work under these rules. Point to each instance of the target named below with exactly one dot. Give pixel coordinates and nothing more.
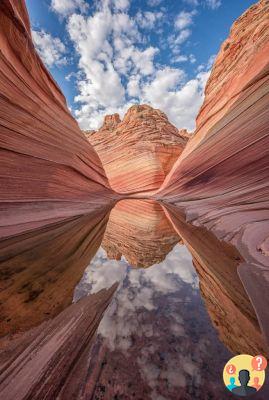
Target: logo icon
(244, 375)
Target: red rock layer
(40, 269)
(138, 152)
(139, 230)
(221, 178)
(45, 158)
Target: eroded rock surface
(138, 152)
(221, 178)
(45, 159)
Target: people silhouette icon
(232, 384)
(244, 389)
(256, 384)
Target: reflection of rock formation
(155, 340)
(221, 178)
(140, 231)
(51, 361)
(45, 158)
(39, 270)
(226, 300)
(138, 152)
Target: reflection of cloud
(139, 290)
(176, 370)
(156, 324)
(100, 274)
(136, 314)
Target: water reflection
(161, 332)
(140, 231)
(154, 339)
(40, 269)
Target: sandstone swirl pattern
(138, 152)
(221, 178)
(46, 161)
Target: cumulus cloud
(51, 49)
(107, 44)
(154, 3)
(67, 7)
(120, 66)
(213, 4)
(179, 58)
(148, 19)
(178, 99)
(121, 4)
(184, 19)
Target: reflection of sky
(164, 277)
(156, 312)
(101, 273)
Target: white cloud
(176, 40)
(133, 86)
(67, 7)
(182, 36)
(148, 19)
(50, 48)
(109, 48)
(213, 4)
(207, 66)
(180, 103)
(184, 19)
(154, 3)
(121, 4)
(135, 60)
(117, 63)
(192, 2)
(101, 86)
(180, 58)
(192, 58)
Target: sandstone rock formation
(54, 185)
(221, 178)
(139, 231)
(45, 159)
(138, 152)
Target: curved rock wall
(45, 158)
(221, 178)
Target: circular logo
(244, 375)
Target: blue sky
(109, 54)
